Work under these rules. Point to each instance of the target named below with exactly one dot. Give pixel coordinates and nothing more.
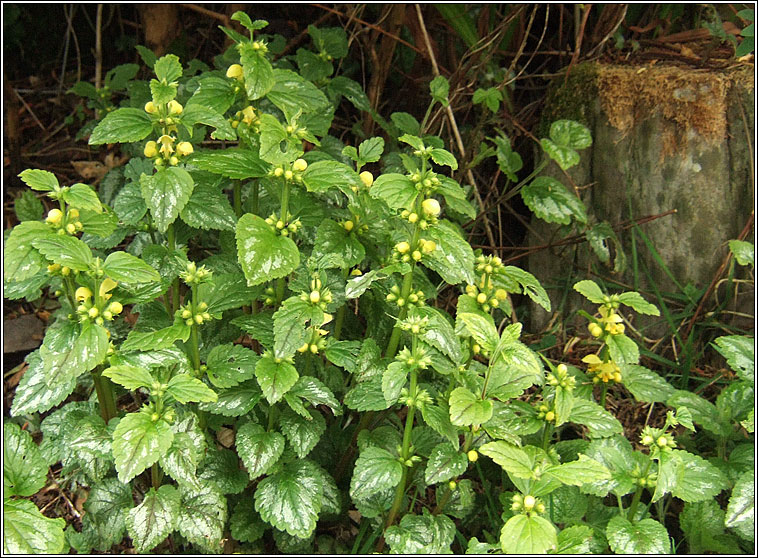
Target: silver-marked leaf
(258, 449)
(154, 519)
(275, 378)
(166, 193)
(445, 462)
(375, 470)
(138, 442)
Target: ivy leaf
(552, 202)
(123, 125)
(154, 519)
(230, 365)
(263, 254)
(467, 409)
(302, 433)
(375, 470)
(27, 531)
(642, 537)
(202, 517)
(166, 193)
(528, 535)
(740, 513)
(138, 442)
(445, 462)
(187, 389)
(275, 378)
(290, 500)
(24, 470)
(125, 268)
(259, 450)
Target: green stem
(156, 476)
(194, 337)
(604, 393)
(637, 495)
(404, 293)
(171, 237)
(254, 197)
(426, 117)
(340, 319)
(547, 434)
(238, 198)
(280, 283)
(105, 396)
(446, 497)
(271, 418)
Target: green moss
(571, 98)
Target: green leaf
(508, 160)
(302, 433)
(227, 291)
(168, 68)
(24, 470)
(65, 250)
(375, 470)
(221, 469)
(703, 527)
(394, 379)
(107, 504)
(35, 393)
(569, 133)
(528, 535)
(574, 540)
(125, 268)
(22, 260)
(370, 150)
(396, 190)
(245, 523)
(352, 91)
(129, 204)
(642, 537)
(511, 458)
(213, 92)
(645, 384)
(439, 88)
(316, 393)
(336, 247)
(445, 462)
(291, 94)
(260, 450)
(703, 411)
(156, 340)
(230, 365)
(27, 531)
(257, 71)
(82, 196)
(740, 513)
(131, 377)
(202, 517)
(290, 500)
(198, 114)
(744, 252)
(406, 123)
(438, 418)
(235, 401)
(421, 534)
(577, 473)
(440, 333)
(289, 325)
(590, 291)
(186, 389)
(40, 180)
(528, 282)
(236, 163)
(552, 202)
(444, 157)
(623, 350)
(600, 422)
(566, 157)
(181, 460)
(27, 207)
(209, 208)
(367, 396)
(275, 378)
(482, 329)
(154, 519)
(453, 259)
(635, 301)
(166, 193)
(123, 125)
(468, 409)
(491, 97)
(324, 175)
(263, 254)
(688, 477)
(138, 442)
(739, 352)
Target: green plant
(233, 318)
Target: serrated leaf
(576, 473)
(263, 254)
(235, 401)
(393, 381)
(570, 134)
(600, 422)
(622, 349)
(482, 329)
(375, 470)
(421, 534)
(156, 340)
(552, 202)
(439, 88)
(221, 468)
(645, 384)
(336, 247)
(27, 531)
(302, 434)
(528, 535)
(166, 193)
(22, 260)
(131, 377)
(590, 291)
(65, 250)
(186, 389)
(181, 460)
(24, 470)
(528, 282)
(703, 412)
(235, 163)
(202, 517)
(744, 252)
(642, 537)
(467, 409)
(291, 93)
(35, 393)
(198, 114)
(40, 180)
(129, 204)
(445, 462)
(123, 125)
(28, 207)
(213, 92)
(325, 175)
(453, 259)
(230, 365)
(245, 523)
(138, 442)
(511, 458)
(740, 513)
(168, 68)
(688, 477)
(208, 208)
(107, 504)
(125, 268)
(396, 190)
(635, 301)
(352, 91)
(316, 393)
(367, 396)
(154, 519)
(82, 196)
(290, 325)
(290, 500)
(703, 527)
(259, 450)
(275, 378)
(739, 352)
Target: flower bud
(54, 216)
(184, 148)
(348, 225)
(452, 485)
(174, 161)
(412, 217)
(73, 213)
(71, 228)
(150, 108)
(402, 247)
(82, 294)
(429, 246)
(431, 207)
(115, 307)
(174, 107)
(472, 455)
(151, 149)
(93, 312)
(299, 165)
(416, 255)
(595, 330)
(529, 502)
(367, 178)
(234, 71)
(315, 297)
(481, 298)
(647, 440)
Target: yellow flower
(151, 149)
(174, 107)
(150, 108)
(184, 148)
(234, 71)
(115, 307)
(54, 216)
(248, 115)
(82, 294)
(106, 286)
(167, 145)
(299, 165)
(367, 178)
(431, 207)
